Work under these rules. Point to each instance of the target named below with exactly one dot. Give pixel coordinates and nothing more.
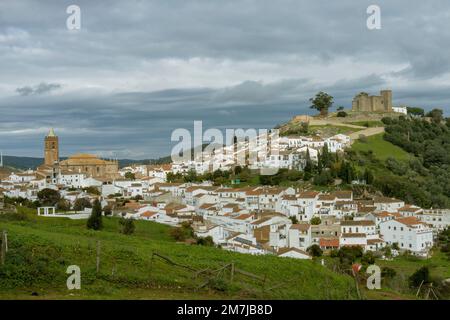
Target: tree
(48, 197)
(308, 167)
(322, 102)
(95, 220)
(368, 176)
(63, 205)
(182, 233)
(81, 203)
(415, 111)
(126, 226)
(294, 219)
(92, 190)
(368, 258)
(421, 274)
(315, 221)
(130, 176)
(314, 250)
(107, 210)
(436, 115)
(206, 241)
(387, 272)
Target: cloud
(41, 88)
(137, 70)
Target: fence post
(4, 247)
(232, 272)
(98, 256)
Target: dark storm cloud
(41, 88)
(139, 69)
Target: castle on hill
(382, 103)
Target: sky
(137, 70)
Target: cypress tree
(95, 220)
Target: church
(88, 164)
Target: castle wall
(366, 103)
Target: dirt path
(367, 132)
(316, 122)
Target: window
(401, 228)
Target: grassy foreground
(41, 249)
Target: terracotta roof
(357, 223)
(374, 241)
(410, 221)
(353, 235)
(327, 197)
(409, 208)
(244, 216)
(262, 234)
(301, 226)
(148, 214)
(334, 242)
(308, 194)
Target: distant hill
(25, 163)
(22, 162)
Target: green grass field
(381, 148)
(41, 249)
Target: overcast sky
(136, 70)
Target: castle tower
(51, 153)
(386, 96)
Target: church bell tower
(51, 153)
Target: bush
(315, 221)
(107, 210)
(81, 203)
(422, 274)
(314, 250)
(48, 197)
(368, 258)
(126, 226)
(387, 272)
(342, 114)
(95, 220)
(206, 241)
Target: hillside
(40, 250)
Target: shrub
(126, 226)
(422, 274)
(314, 250)
(95, 220)
(206, 241)
(368, 258)
(107, 210)
(387, 272)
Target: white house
(409, 233)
